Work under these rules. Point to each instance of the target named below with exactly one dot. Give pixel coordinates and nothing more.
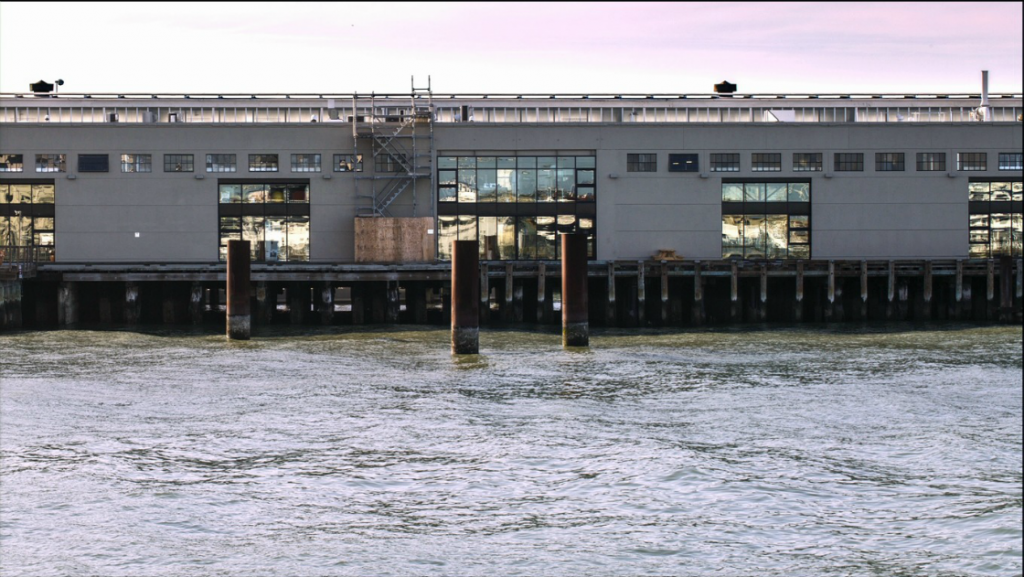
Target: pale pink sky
(516, 48)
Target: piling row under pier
(621, 294)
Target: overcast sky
(511, 48)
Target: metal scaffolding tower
(402, 142)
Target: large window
(766, 220)
(515, 205)
(641, 163)
(995, 218)
(262, 163)
(889, 162)
(12, 163)
(1011, 161)
(766, 162)
(179, 163)
(132, 162)
(305, 163)
(683, 163)
(388, 162)
(27, 220)
(51, 163)
(272, 216)
(221, 163)
(931, 161)
(806, 162)
(849, 162)
(93, 163)
(725, 162)
(971, 161)
(348, 163)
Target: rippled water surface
(876, 451)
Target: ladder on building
(401, 138)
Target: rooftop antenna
(983, 110)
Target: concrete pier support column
(698, 295)
(326, 303)
(507, 312)
(1005, 289)
(358, 303)
(393, 306)
(67, 304)
(195, 303)
(863, 290)
(610, 311)
(641, 293)
(517, 303)
(734, 293)
(239, 319)
(266, 303)
(485, 293)
(926, 292)
(666, 304)
(416, 300)
(106, 309)
(10, 304)
(798, 307)
(543, 316)
(132, 303)
(762, 311)
(890, 309)
(990, 289)
(466, 281)
(575, 308)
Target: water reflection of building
(161, 178)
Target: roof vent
(725, 87)
(41, 88)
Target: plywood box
(394, 240)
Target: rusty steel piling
(239, 325)
(575, 309)
(465, 297)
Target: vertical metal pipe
(990, 292)
(928, 282)
(831, 281)
(1006, 289)
(238, 272)
(641, 292)
(892, 281)
(698, 284)
(734, 283)
(764, 283)
(195, 306)
(959, 280)
(507, 312)
(132, 304)
(327, 303)
(575, 309)
(542, 273)
(664, 294)
(799, 281)
(465, 297)
(864, 281)
(610, 311)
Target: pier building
(110, 203)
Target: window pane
(446, 177)
(487, 184)
(487, 226)
(274, 247)
(230, 193)
(467, 185)
(776, 235)
(776, 192)
(507, 237)
(799, 221)
(527, 237)
(21, 193)
(447, 233)
(566, 190)
(468, 228)
(799, 192)
(546, 237)
(732, 192)
(546, 185)
(506, 185)
(978, 191)
(42, 194)
(276, 193)
(447, 162)
(447, 194)
(254, 193)
(527, 186)
(754, 192)
(1000, 191)
(298, 238)
(298, 193)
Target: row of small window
(766, 192)
(516, 237)
(812, 162)
(995, 235)
(131, 162)
(509, 179)
(26, 194)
